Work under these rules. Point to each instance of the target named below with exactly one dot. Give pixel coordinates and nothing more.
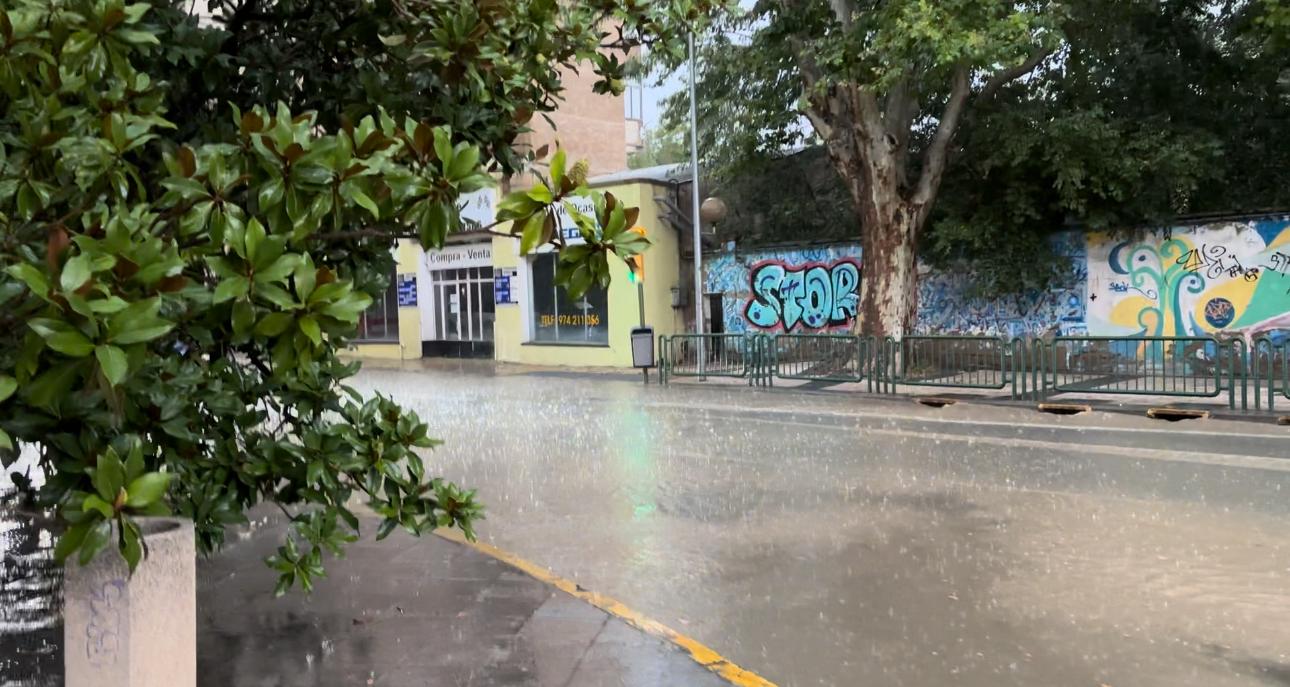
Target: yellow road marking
(701, 653)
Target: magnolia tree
(171, 309)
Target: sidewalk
(408, 612)
(1137, 404)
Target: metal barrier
(1033, 369)
(741, 356)
(959, 362)
(1028, 383)
(820, 357)
(1149, 366)
(1270, 370)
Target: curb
(696, 650)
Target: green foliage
(535, 219)
(1276, 22)
(661, 147)
(484, 68)
(1158, 110)
(785, 198)
(175, 291)
(1148, 110)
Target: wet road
(824, 540)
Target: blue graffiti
(812, 296)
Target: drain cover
(1177, 414)
(937, 402)
(1064, 408)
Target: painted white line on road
(1215, 459)
(975, 423)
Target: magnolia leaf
(109, 476)
(76, 272)
(71, 541)
(464, 162)
(131, 544)
(443, 147)
(557, 169)
(309, 326)
(71, 342)
(147, 489)
(233, 287)
(113, 362)
(98, 536)
(532, 234)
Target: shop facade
(478, 297)
(540, 325)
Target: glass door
(464, 308)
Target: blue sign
(502, 289)
(407, 287)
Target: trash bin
(643, 347)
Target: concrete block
(134, 631)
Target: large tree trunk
(890, 226)
(888, 269)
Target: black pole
(640, 306)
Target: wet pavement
(836, 540)
(816, 539)
(409, 612)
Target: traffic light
(636, 263)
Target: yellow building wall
(407, 257)
(661, 276)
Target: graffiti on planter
(812, 296)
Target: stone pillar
(140, 631)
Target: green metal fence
(820, 357)
(957, 362)
(1189, 367)
(1032, 369)
(740, 356)
(1269, 371)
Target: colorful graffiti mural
(1192, 281)
(1184, 281)
(815, 297)
(730, 274)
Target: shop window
(560, 319)
(380, 322)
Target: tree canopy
(1142, 111)
(182, 265)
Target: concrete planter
(134, 631)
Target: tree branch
(1003, 78)
(935, 158)
(843, 11)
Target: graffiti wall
(800, 289)
(1184, 281)
(1192, 281)
(944, 308)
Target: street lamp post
(694, 208)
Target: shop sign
(454, 256)
(407, 288)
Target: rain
(821, 541)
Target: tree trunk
(889, 267)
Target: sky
(652, 102)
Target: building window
(560, 319)
(380, 322)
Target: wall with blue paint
(785, 271)
(1186, 280)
